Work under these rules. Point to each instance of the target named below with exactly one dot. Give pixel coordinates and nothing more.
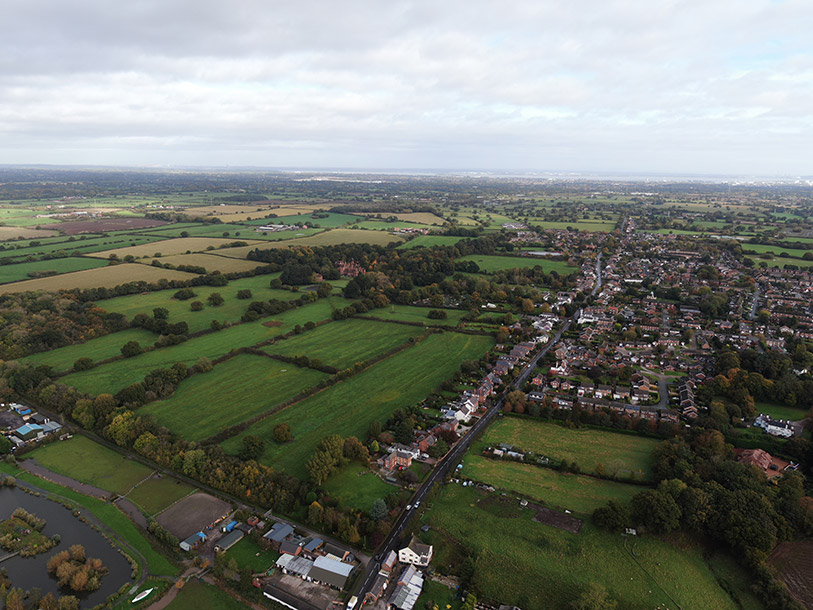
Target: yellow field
(169, 247)
(325, 238)
(95, 278)
(293, 210)
(15, 232)
(211, 262)
(424, 218)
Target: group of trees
(332, 453)
(73, 569)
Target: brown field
(231, 213)
(792, 561)
(169, 247)
(293, 210)
(107, 224)
(424, 218)
(325, 238)
(211, 262)
(95, 278)
(25, 233)
(193, 514)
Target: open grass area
(197, 595)
(777, 250)
(439, 595)
(7, 233)
(82, 459)
(409, 313)
(249, 554)
(590, 226)
(578, 493)
(427, 241)
(97, 349)
(168, 247)
(342, 344)
(157, 493)
(114, 376)
(332, 220)
(622, 455)
(108, 277)
(210, 262)
(56, 266)
(780, 411)
(492, 263)
(348, 407)
(511, 550)
(233, 391)
(356, 486)
(72, 245)
(329, 237)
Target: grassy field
(780, 411)
(333, 220)
(590, 226)
(427, 241)
(779, 261)
(210, 262)
(358, 487)
(408, 313)
(82, 246)
(777, 250)
(621, 454)
(348, 407)
(88, 462)
(248, 554)
(440, 595)
(342, 344)
(233, 391)
(56, 266)
(156, 494)
(578, 493)
(168, 247)
(109, 277)
(100, 348)
(421, 218)
(510, 550)
(324, 238)
(231, 310)
(490, 264)
(197, 595)
(116, 375)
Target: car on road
(409, 507)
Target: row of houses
(560, 401)
(409, 584)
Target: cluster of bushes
(75, 570)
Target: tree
(215, 299)
(130, 349)
(379, 510)
(5, 445)
(83, 364)
(196, 306)
(657, 510)
(253, 447)
(315, 513)
(160, 313)
(282, 433)
(244, 294)
(375, 429)
(594, 598)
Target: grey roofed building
(229, 540)
(51, 426)
(313, 544)
(332, 549)
(278, 532)
(408, 589)
(331, 572)
(300, 566)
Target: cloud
(670, 86)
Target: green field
(622, 455)
(156, 494)
(97, 349)
(24, 271)
(578, 493)
(116, 375)
(77, 244)
(780, 411)
(197, 595)
(427, 241)
(348, 407)
(590, 226)
(358, 487)
(777, 250)
(82, 459)
(233, 391)
(490, 264)
(248, 554)
(409, 313)
(510, 550)
(333, 220)
(342, 344)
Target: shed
(28, 431)
(331, 572)
(193, 541)
(229, 540)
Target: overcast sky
(665, 86)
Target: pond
(30, 572)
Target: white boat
(142, 595)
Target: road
(754, 302)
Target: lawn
(108, 277)
(777, 250)
(622, 455)
(590, 226)
(342, 344)
(409, 313)
(427, 241)
(157, 493)
(358, 487)
(511, 550)
(82, 459)
(578, 493)
(56, 266)
(96, 349)
(491, 263)
(197, 595)
(117, 375)
(248, 554)
(233, 391)
(780, 411)
(348, 407)
(440, 595)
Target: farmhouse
(278, 532)
(416, 553)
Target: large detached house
(416, 553)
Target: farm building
(278, 532)
(229, 540)
(193, 541)
(298, 566)
(330, 572)
(334, 552)
(407, 590)
(27, 432)
(416, 553)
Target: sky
(663, 86)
